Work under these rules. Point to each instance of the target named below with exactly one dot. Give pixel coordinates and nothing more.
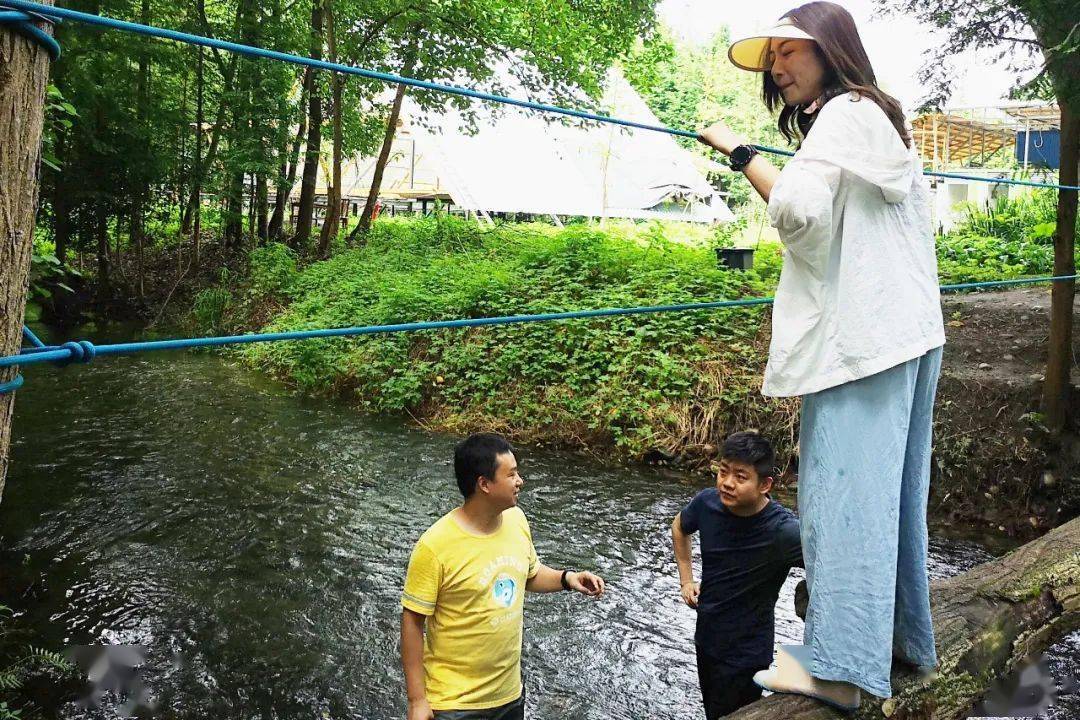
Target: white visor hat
(752, 52)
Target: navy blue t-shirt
(744, 562)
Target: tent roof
(520, 161)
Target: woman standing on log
(858, 334)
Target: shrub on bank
(671, 381)
(1007, 239)
(636, 383)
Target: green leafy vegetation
(28, 661)
(196, 147)
(628, 383)
(47, 273)
(1007, 239)
(633, 383)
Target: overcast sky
(896, 45)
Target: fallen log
(986, 622)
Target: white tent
(521, 162)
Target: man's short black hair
(753, 449)
(478, 456)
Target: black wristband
(562, 579)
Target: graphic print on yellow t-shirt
(472, 588)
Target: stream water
(253, 542)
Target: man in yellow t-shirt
(461, 622)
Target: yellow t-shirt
(472, 588)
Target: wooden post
(24, 70)
(935, 165)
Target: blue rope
(11, 385)
(78, 351)
(36, 345)
(248, 50)
(126, 348)
(1002, 181)
(23, 23)
(17, 382)
(31, 338)
(84, 351)
(1004, 283)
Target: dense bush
(636, 382)
(273, 270)
(1007, 239)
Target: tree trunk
(262, 202)
(251, 213)
(234, 212)
(24, 69)
(179, 191)
(364, 225)
(215, 141)
(333, 196)
(117, 247)
(61, 203)
(101, 234)
(987, 621)
(137, 228)
(314, 138)
(137, 232)
(1055, 396)
(287, 180)
(197, 179)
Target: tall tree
(306, 208)
(241, 140)
(283, 187)
(1043, 34)
(384, 153)
(333, 199)
(24, 68)
(142, 185)
(196, 175)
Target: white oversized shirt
(858, 291)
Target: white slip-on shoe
(790, 674)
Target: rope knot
(82, 351)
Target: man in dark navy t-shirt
(748, 544)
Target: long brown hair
(847, 69)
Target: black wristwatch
(565, 585)
(741, 156)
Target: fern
(48, 659)
(34, 660)
(10, 680)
